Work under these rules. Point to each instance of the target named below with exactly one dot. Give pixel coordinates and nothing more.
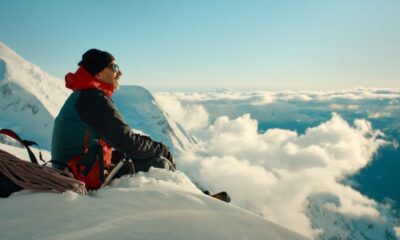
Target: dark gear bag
(7, 187)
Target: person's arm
(99, 112)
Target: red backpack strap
(86, 141)
(25, 143)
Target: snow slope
(154, 205)
(29, 97)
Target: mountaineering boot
(223, 196)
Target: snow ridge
(140, 110)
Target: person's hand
(168, 155)
(117, 156)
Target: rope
(36, 177)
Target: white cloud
(263, 98)
(275, 172)
(191, 116)
(352, 203)
(379, 114)
(335, 106)
(267, 97)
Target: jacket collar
(82, 80)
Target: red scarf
(81, 80)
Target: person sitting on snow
(90, 135)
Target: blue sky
(196, 45)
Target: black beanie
(95, 60)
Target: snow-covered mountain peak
(25, 76)
(141, 111)
(29, 97)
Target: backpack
(90, 167)
(17, 174)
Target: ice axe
(117, 168)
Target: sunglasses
(114, 67)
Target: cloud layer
(275, 172)
(196, 110)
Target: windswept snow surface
(154, 205)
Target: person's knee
(162, 162)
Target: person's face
(110, 75)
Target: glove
(168, 155)
(117, 157)
(171, 158)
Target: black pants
(140, 165)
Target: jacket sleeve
(99, 112)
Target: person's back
(68, 129)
